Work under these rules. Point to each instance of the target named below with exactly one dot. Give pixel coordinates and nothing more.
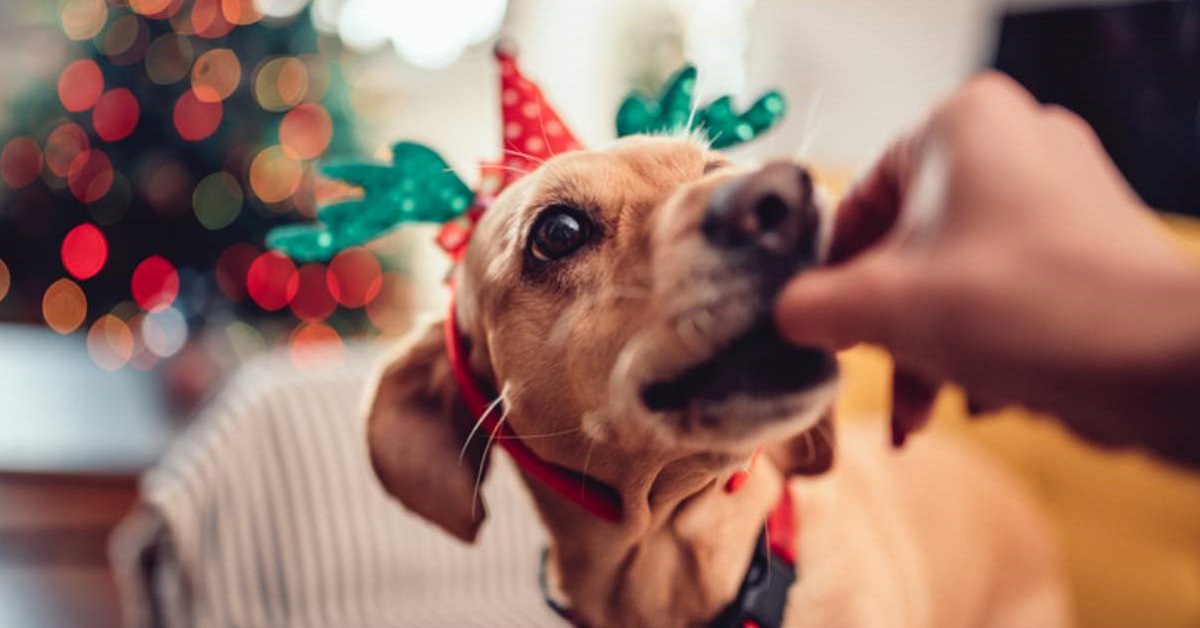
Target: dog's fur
(926, 537)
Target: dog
(617, 303)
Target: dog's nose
(769, 211)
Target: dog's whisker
(513, 151)
(479, 423)
(690, 342)
(811, 128)
(587, 460)
(483, 461)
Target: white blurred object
(716, 38)
(279, 8)
(426, 34)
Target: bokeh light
(274, 176)
(113, 207)
(5, 280)
(90, 176)
(313, 301)
(280, 8)
(166, 184)
(217, 200)
(64, 306)
(116, 115)
(155, 284)
(149, 7)
(232, 266)
(315, 344)
(64, 145)
(83, 19)
(272, 281)
(20, 162)
(354, 277)
(110, 342)
(195, 119)
(392, 311)
(305, 131)
(126, 40)
(169, 59)
(80, 85)
(164, 333)
(208, 19)
(281, 83)
(216, 75)
(84, 251)
(240, 12)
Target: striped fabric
(266, 514)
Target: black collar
(760, 602)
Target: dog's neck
(676, 558)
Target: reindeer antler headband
(419, 186)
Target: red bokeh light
(20, 162)
(313, 301)
(155, 284)
(272, 281)
(354, 277)
(116, 115)
(80, 85)
(84, 251)
(196, 119)
(232, 266)
(305, 131)
(64, 145)
(90, 176)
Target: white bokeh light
(426, 34)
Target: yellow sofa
(1129, 526)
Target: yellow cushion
(1130, 527)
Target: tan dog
(619, 300)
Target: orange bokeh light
(83, 19)
(84, 251)
(149, 7)
(155, 284)
(80, 85)
(306, 131)
(272, 281)
(5, 280)
(392, 311)
(195, 119)
(116, 115)
(240, 12)
(208, 19)
(90, 176)
(355, 277)
(20, 162)
(315, 344)
(216, 75)
(110, 342)
(64, 306)
(63, 146)
(274, 176)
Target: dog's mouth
(758, 363)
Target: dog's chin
(754, 390)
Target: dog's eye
(558, 232)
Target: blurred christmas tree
(135, 192)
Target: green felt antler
(673, 111)
(418, 186)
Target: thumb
(839, 306)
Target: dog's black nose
(769, 211)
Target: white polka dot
(512, 130)
(553, 128)
(534, 144)
(510, 96)
(530, 110)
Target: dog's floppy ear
(810, 453)
(416, 428)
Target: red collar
(588, 493)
